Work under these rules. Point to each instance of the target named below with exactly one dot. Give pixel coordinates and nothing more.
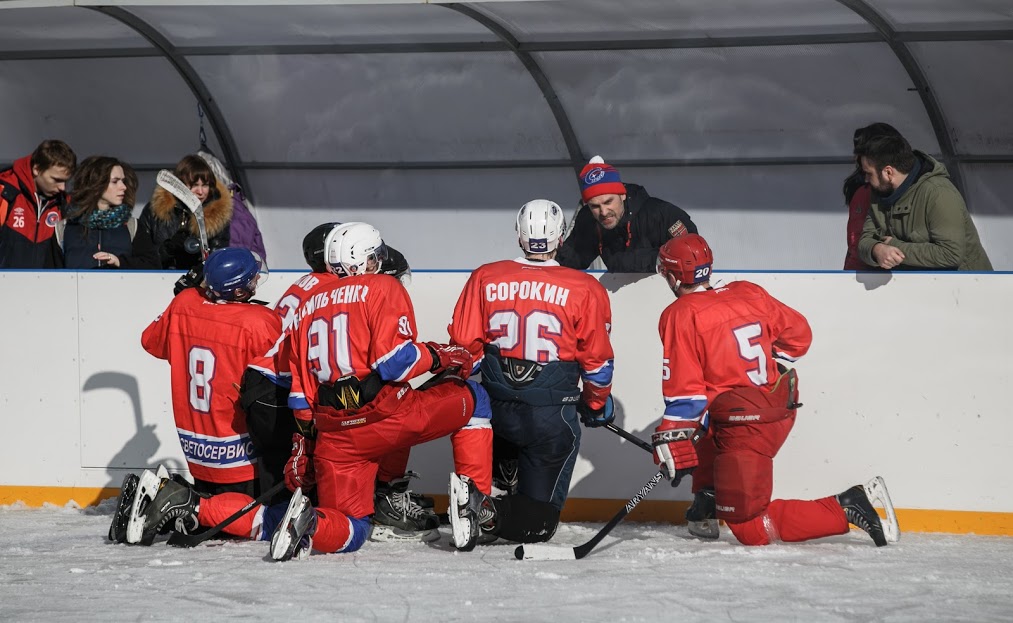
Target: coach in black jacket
(620, 222)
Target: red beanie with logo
(598, 178)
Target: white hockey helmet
(540, 225)
(355, 249)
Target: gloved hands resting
(593, 418)
(299, 467)
(450, 356)
(674, 450)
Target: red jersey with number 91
(352, 326)
(714, 340)
(208, 346)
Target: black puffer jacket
(632, 245)
(164, 217)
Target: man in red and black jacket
(33, 197)
(619, 222)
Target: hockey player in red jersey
(208, 335)
(399, 513)
(538, 328)
(729, 407)
(353, 349)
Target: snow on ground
(55, 565)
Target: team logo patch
(594, 175)
(52, 219)
(677, 229)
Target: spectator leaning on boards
(917, 219)
(619, 222)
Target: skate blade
(124, 502)
(880, 497)
(460, 527)
(147, 487)
(281, 540)
(383, 534)
(706, 529)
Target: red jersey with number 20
(352, 326)
(208, 346)
(714, 340)
(542, 312)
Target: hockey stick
(179, 190)
(630, 437)
(537, 551)
(178, 539)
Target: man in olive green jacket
(918, 220)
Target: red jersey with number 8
(208, 346)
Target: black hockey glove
(593, 418)
(192, 279)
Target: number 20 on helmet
(685, 260)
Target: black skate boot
(860, 513)
(398, 517)
(174, 506)
(701, 517)
(294, 534)
(118, 526)
(469, 511)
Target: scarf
(108, 219)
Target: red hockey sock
(473, 456)
(333, 531)
(216, 509)
(792, 521)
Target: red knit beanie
(598, 178)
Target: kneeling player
(352, 352)
(209, 335)
(722, 387)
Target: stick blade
(535, 551)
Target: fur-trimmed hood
(217, 210)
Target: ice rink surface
(55, 565)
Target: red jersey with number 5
(542, 312)
(714, 340)
(352, 326)
(208, 346)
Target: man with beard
(619, 222)
(917, 219)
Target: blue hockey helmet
(232, 274)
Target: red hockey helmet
(687, 258)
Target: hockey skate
(161, 505)
(701, 517)
(118, 526)
(858, 503)
(294, 535)
(398, 517)
(469, 511)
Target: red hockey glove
(299, 467)
(449, 356)
(673, 447)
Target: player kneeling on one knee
(729, 407)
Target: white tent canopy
(435, 121)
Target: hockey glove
(192, 279)
(449, 356)
(593, 418)
(674, 450)
(299, 467)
